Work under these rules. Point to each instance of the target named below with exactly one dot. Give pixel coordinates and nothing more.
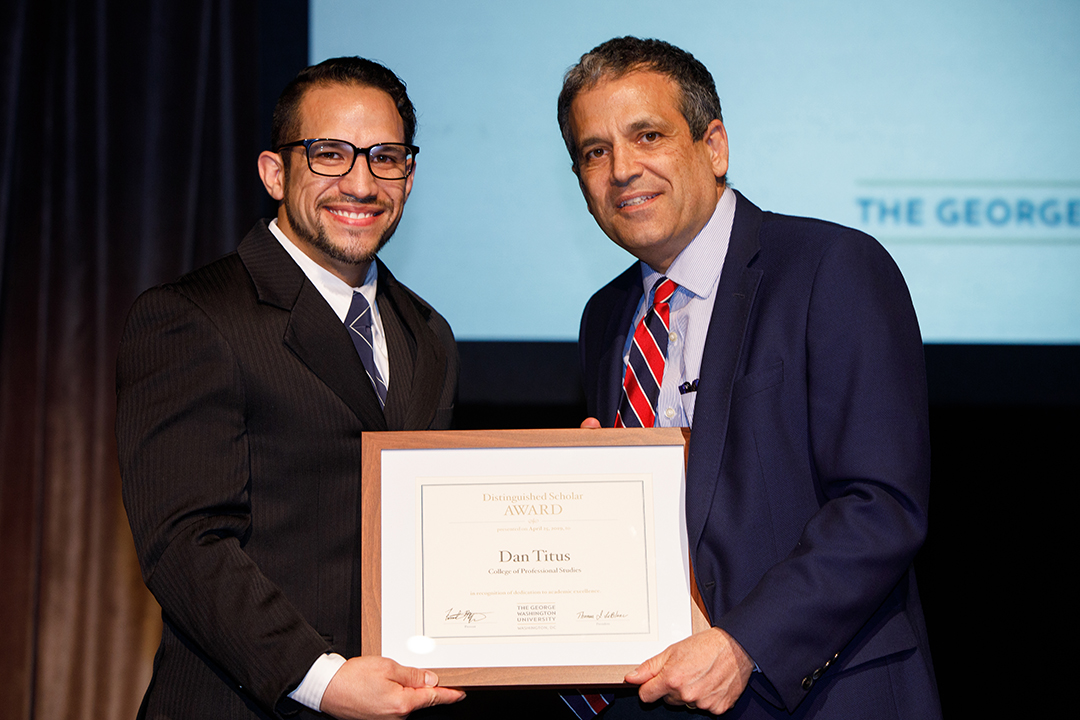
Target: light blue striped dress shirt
(696, 271)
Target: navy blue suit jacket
(809, 465)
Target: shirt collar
(697, 267)
(337, 292)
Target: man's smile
(630, 202)
(366, 214)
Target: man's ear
(272, 172)
(716, 141)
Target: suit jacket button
(807, 682)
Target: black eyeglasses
(334, 158)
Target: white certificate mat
(497, 554)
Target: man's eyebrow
(637, 126)
(589, 141)
(643, 124)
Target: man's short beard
(321, 241)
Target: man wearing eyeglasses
(242, 392)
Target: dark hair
(617, 57)
(338, 71)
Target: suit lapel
(719, 363)
(320, 340)
(314, 333)
(615, 334)
(417, 358)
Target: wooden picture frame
(504, 663)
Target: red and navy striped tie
(645, 368)
(641, 389)
(588, 706)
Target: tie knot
(359, 315)
(663, 290)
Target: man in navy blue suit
(793, 353)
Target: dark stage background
(128, 138)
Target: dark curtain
(128, 138)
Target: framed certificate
(525, 557)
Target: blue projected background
(948, 129)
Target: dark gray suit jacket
(240, 405)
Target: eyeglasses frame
(357, 151)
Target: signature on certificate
(466, 616)
(602, 615)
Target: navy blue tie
(358, 320)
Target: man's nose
(359, 182)
(625, 164)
